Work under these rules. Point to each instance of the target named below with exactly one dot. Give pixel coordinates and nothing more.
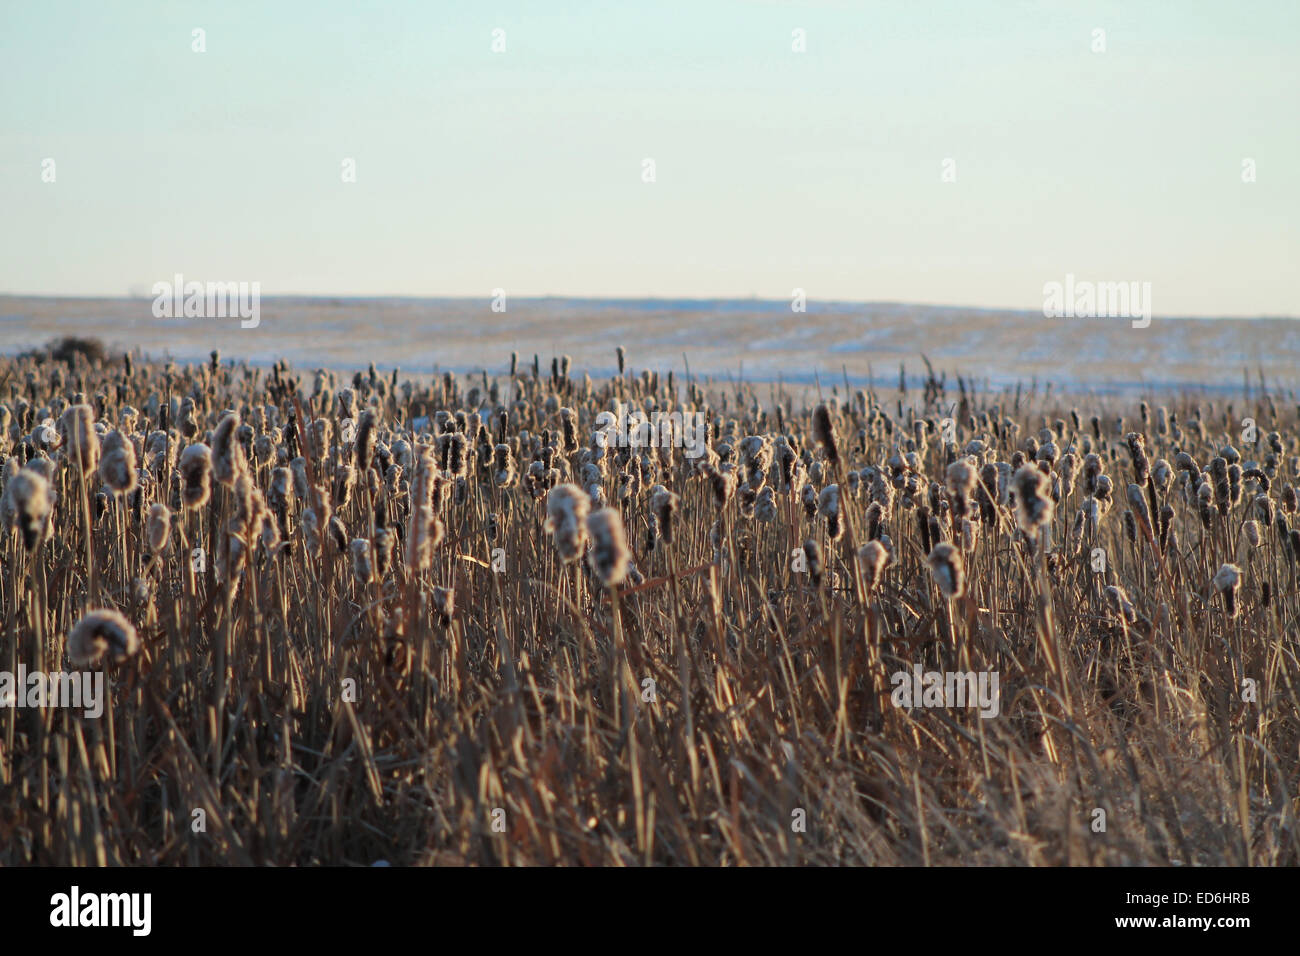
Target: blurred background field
(752, 339)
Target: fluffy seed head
(1034, 506)
(27, 506)
(948, 570)
(101, 632)
(117, 467)
(228, 460)
(567, 507)
(158, 528)
(78, 437)
(609, 555)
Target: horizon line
(622, 298)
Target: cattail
(228, 460)
(102, 632)
(1120, 603)
(1222, 489)
(424, 532)
(363, 448)
(809, 499)
(569, 430)
(117, 466)
(383, 545)
(277, 496)
(339, 533)
(824, 433)
(1130, 527)
(158, 528)
(785, 461)
(454, 446)
(1034, 505)
(1205, 506)
(663, 505)
(962, 477)
(26, 507)
(1250, 529)
(1166, 524)
(363, 568)
(1226, 580)
(444, 605)
(196, 475)
(1104, 492)
(503, 473)
(765, 506)
(812, 551)
(828, 506)
(248, 505)
(311, 532)
(346, 404)
(1091, 472)
(270, 533)
(872, 557)
(78, 437)
(344, 481)
(319, 437)
(609, 555)
(722, 482)
(1137, 449)
(1138, 505)
(947, 569)
(567, 507)
(755, 459)
(298, 470)
(1161, 475)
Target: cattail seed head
(1034, 506)
(948, 570)
(873, 557)
(363, 568)
(824, 433)
(567, 507)
(609, 555)
(1119, 602)
(102, 632)
(663, 504)
(812, 551)
(79, 440)
(158, 528)
(363, 448)
(1225, 582)
(27, 506)
(961, 478)
(228, 460)
(196, 475)
(117, 466)
(444, 605)
(828, 506)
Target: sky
(774, 170)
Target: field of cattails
(349, 618)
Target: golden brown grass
(418, 567)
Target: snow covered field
(762, 341)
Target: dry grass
(523, 690)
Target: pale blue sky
(775, 170)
